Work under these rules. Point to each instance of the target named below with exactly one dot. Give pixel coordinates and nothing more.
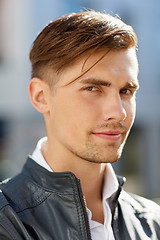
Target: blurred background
(21, 126)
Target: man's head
(72, 36)
(84, 80)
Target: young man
(84, 81)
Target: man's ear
(38, 92)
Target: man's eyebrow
(130, 84)
(95, 82)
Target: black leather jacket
(40, 205)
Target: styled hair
(70, 37)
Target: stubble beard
(100, 153)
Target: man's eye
(126, 91)
(91, 89)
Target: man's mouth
(110, 135)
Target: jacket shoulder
(21, 192)
(3, 201)
(142, 208)
(18, 194)
(136, 217)
(139, 202)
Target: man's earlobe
(37, 90)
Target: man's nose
(115, 109)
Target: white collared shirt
(98, 231)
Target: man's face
(90, 118)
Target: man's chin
(101, 159)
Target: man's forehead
(84, 66)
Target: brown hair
(71, 36)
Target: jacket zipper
(84, 209)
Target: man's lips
(110, 135)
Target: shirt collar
(110, 182)
(38, 157)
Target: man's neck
(92, 186)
